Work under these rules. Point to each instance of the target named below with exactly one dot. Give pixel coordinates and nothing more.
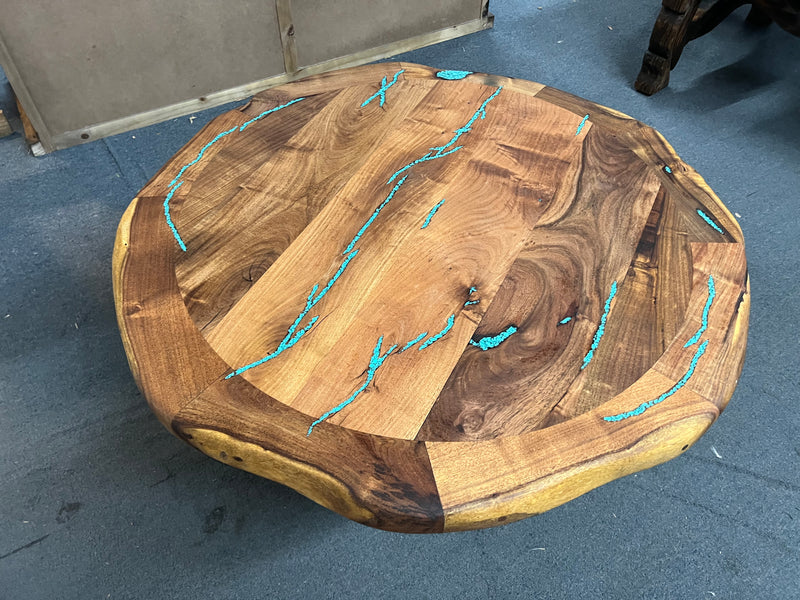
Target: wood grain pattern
(432, 304)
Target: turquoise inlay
(580, 127)
(711, 294)
(374, 364)
(174, 184)
(645, 405)
(270, 111)
(421, 160)
(414, 341)
(601, 328)
(381, 93)
(566, 320)
(291, 338)
(430, 214)
(441, 334)
(453, 74)
(472, 290)
(708, 220)
(200, 155)
(366, 225)
(667, 169)
(495, 340)
(439, 151)
(169, 219)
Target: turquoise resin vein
(600, 328)
(176, 182)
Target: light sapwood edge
(313, 483)
(554, 490)
(119, 258)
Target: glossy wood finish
(423, 365)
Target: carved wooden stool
(681, 21)
(431, 300)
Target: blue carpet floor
(98, 501)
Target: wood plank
(727, 320)
(145, 292)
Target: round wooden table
(431, 300)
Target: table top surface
(432, 300)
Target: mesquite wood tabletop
(431, 300)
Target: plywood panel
(87, 62)
(325, 30)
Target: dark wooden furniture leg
(666, 44)
(757, 17)
(682, 21)
(711, 14)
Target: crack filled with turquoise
(381, 93)
(471, 291)
(176, 182)
(710, 221)
(293, 335)
(667, 169)
(453, 75)
(712, 292)
(374, 216)
(493, 341)
(442, 151)
(375, 362)
(174, 229)
(435, 338)
(582, 123)
(650, 403)
(600, 328)
(414, 341)
(431, 213)
(565, 320)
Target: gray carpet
(98, 501)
